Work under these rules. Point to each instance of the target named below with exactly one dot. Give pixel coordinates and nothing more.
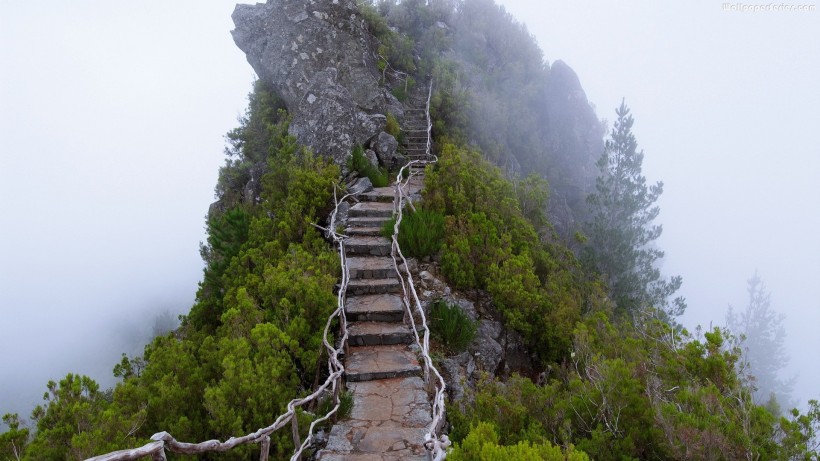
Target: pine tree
(621, 232)
(762, 339)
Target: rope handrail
(429, 122)
(435, 445)
(164, 440)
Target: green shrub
(450, 325)
(360, 163)
(482, 444)
(392, 128)
(421, 232)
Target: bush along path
(392, 409)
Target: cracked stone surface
(379, 362)
(388, 421)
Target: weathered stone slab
(401, 400)
(375, 308)
(380, 362)
(387, 442)
(368, 245)
(380, 194)
(367, 222)
(372, 209)
(373, 286)
(363, 267)
(371, 231)
(379, 333)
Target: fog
(113, 115)
(726, 110)
(112, 124)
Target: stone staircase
(415, 125)
(391, 408)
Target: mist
(725, 106)
(112, 135)
(112, 124)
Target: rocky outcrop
(325, 118)
(319, 58)
(574, 138)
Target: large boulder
(292, 44)
(387, 150)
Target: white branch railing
(163, 441)
(435, 444)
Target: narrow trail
(398, 395)
(391, 408)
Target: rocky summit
(320, 59)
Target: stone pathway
(391, 409)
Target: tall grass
(450, 325)
(421, 232)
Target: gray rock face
(293, 44)
(457, 372)
(487, 351)
(325, 118)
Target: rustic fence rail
(163, 441)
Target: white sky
(111, 122)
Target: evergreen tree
(621, 233)
(762, 339)
(13, 442)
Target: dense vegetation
(252, 340)
(614, 377)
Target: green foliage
(639, 391)
(483, 444)
(450, 325)
(79, 421)
(421, 232)
(490, 244)
(392, 127)
(262, 127)
(621, 232)
(13, 442)
(252, 340)
(360, 163)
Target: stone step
(375, 308)
(367, 231)
(371, 267)
(371, 210)
(367, 222)
(368, 363)
(379, 194)
(387, 422)
(373, 286)
(368, 245)
(379, 334)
